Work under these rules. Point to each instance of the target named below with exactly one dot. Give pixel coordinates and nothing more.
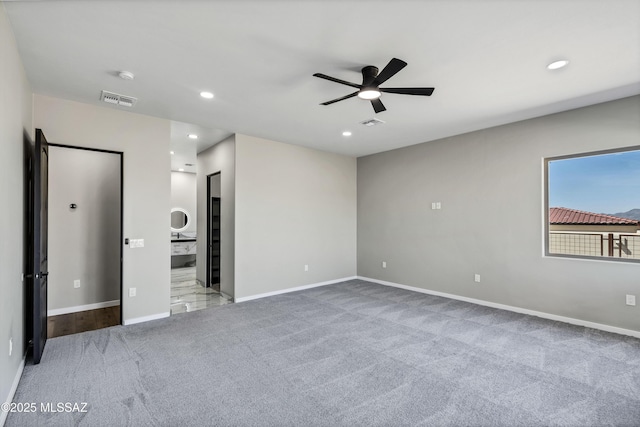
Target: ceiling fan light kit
(369, 93)
(371, 80)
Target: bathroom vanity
(183, 243)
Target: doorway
(85, 235)
(214, 199)
(187, 293)
(40, 227)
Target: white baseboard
(147, 318)
(77, 308)
(12, 391)
(520, 310)
(297, 288)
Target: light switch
(136, 243)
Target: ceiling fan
(370, 88)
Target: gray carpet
(350, 354)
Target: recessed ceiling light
(369, 93)
(346, 133)
(207, 95)
(193, 136)
(181, 170)
(172, 152)
(558, 64)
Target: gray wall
(219, 158)
(15, 120)
(216, 185)
(183, 195)
(490, 184)
(294, 206)
(146, 195)
(84, 243)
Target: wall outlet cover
(631, 300)
(476, 278)
(132, 292)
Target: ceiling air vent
(117, 99)
(372, 122)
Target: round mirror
(180, 220)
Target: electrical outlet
(10, 346)
(433, 205)
(476, 278)
(631, 300)
(306, 267)
(132, 292)
(384, 264)
(76, 284)
(438, 205)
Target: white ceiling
(486, 58)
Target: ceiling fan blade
(351, 95)
(333, 79)
(378, 106)
(389, 71)
(425, 91)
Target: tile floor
(187, 295)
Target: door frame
(207, 282)
(121, 154)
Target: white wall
(144, 141)
(219, 158)
(183, 195)
(490, 184)
(15, 122)
(294, 206)
(84, 243)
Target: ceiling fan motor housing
(369, 74)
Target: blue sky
(607, 183)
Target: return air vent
(372, 122)
(117, 99)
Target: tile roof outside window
(573, 216)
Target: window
(593, 205)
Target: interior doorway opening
(84, 239)
(214, 201)
(187, 293)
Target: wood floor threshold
(82, 321)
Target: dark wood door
(40, 253)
